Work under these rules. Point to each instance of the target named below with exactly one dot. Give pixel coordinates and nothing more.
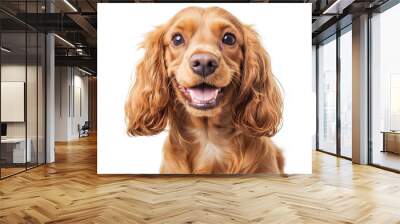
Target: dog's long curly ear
(258, 111)
(146, 109)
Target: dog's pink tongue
(203, 94)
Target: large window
(327, 96)
(335, 74)
(385, 89)
(346, 92)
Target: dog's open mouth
(202, 96)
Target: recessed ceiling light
(337, 7)
(84, 71)
(5, 50)
(70, 5)
(64, 40)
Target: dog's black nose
(203, 64)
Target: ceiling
(76, 22)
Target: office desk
(13, 150)
(391, 141)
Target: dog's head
(209, 62)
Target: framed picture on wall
(204, 89)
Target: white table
(18, 144)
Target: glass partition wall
(22, 77)
(13, 89)
(334, 80)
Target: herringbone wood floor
(70, 191)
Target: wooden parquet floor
(70, 191)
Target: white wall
(33, 127)
(16, 73)
(62, 81)
(70, 83)
(80, 84)
(12, 73)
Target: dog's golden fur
(234, 136)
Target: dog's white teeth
(196, 101)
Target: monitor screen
(3, 129)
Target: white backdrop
(285, 30)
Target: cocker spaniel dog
(207, 76)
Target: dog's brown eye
(177, 39)
(229, 39)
